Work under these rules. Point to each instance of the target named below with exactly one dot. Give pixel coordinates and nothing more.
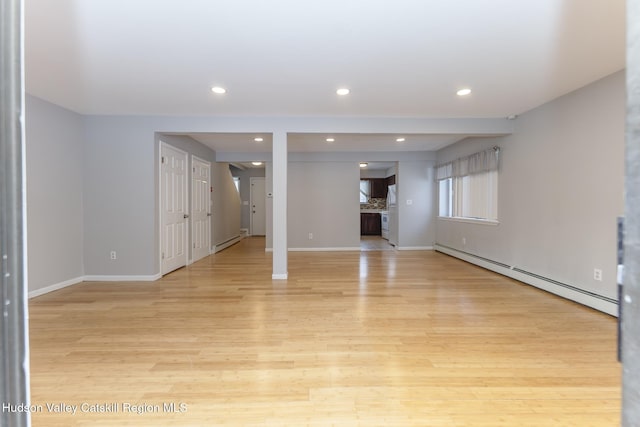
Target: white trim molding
(414, 248)
(76, 280)
(469, 220)
(55, 287)
(338, 249)
(115, 278)
(590, 299)
(280, 276)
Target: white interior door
(258, 209)
(200, 208)
(173, 212)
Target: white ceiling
(316, 142)
(400, 58)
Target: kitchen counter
(373, 211)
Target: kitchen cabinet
(378, 188)
(370, 224)
(391, 180)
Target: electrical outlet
(464, 240)
(310, 236)
(597, 274)
(114, 255)
(409, 202)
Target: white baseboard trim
(590, 299)
(337, 249)
(414, 248)
(268, 249)
(108, 278)
(94, 278)
(225, 245)
(284, 276)
(55, 287)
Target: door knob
(208, 214)
(186, 216)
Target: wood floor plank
(366, 338)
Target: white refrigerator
(392, 207)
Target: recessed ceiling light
(363, 164)
(256, 163)
(463, 92)
(218, 89)
(330, 139)
(400, 140)
(343, 91)
(258, 139)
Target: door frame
(209, 206)
(251, 180)
(159, 203)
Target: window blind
(483, 161)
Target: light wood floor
(375, 243)
(352, 338)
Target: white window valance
(484, 161)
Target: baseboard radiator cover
(229, 242)
(590, 299)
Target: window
(445, 193)
(365, 190)
(468, 187)
(236, 181)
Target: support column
(280, 246)
(14, 347)
(631, 290)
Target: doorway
(257, 199)
(200, 208)
(173, 208)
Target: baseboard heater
(224, 245)
(591, 299)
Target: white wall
(226, 205)
(54, 157)
(323, 200)
(416, 221)
(560, 190)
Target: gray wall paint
(416, 222)
(120, 193)
(560, 189)
(323, 200)
(54, 156)
(245, 192)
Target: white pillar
(280, 246)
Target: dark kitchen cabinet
(370, 224)
(378, 188)
(391, 180)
